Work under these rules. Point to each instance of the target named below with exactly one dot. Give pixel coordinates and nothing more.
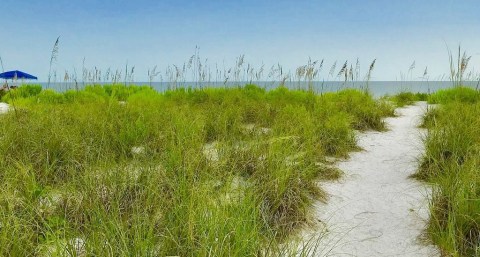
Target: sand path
(376, 209)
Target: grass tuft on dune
(452, 164)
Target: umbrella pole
(13, 97)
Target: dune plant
(451, 164)
(53, 58)
(457, 94)
(369, 75)
(407, 98)
(458, 66)
(128, 171)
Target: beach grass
(120, 170)
(455, 94)
(451, 163)
(407, 98)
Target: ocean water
(377, 88)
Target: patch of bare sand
(4, 107)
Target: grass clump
(366, 112)
(451, 163)
(23, 91)
(128, 171)
(456, 94)
(407, 98)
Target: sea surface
(377, 88)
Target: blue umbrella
(16, 74)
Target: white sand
(4, 107)
(375, 209)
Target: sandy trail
(375, 209)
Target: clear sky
(146, 33)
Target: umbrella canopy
(16, 74)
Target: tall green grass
(456, 94)
(127, 171)
(452, 164)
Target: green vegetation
(128, 171)
(407, 98)
(23, 91)
(451, 163)
(456, 94)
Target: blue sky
(108, 33)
